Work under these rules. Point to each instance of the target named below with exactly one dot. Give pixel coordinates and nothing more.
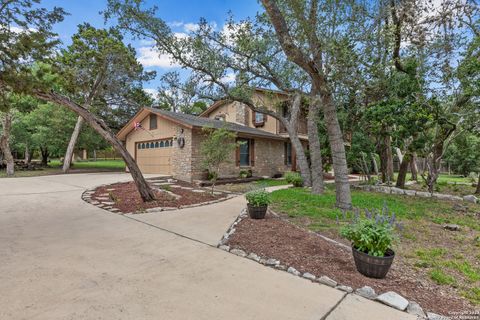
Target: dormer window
(258, 119)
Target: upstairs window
(258, 119)
(153, 121)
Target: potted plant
(371, 239)
(257, 203)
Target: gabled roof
(191, 121)
(219, 103)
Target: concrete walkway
(61, 258)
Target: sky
(180, 14)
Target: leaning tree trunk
(339, 159)
(5, 143)
(315, 148)
(402, 172)
(67, 162)
(101, 128)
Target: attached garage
(154, 156)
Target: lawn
(245, 187)
(447, 258)
(54, 167)
(446, 178)
(99, 164)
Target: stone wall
(269, 159)
(182, 157)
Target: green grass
(441, 277)
(271, 182)
(54, 167)
(447, 258)
(443, 178)
(99, 164)
(472, 294)
(299, 202)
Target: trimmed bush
(294, 178)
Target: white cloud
(175, 23)
(228, 78)
(190, 27)
(152, 92)
(145, 42)
(21, 30)
(180, 35)
(150, 57)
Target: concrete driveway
(61, 258)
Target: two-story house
(165, 142)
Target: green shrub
(258, 198)
(371, 236)
(294, 178)
(245, 174)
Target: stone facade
(269, 159)
(182, 157)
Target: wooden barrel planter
(257, 212)
(371, 266)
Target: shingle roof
(195, 121)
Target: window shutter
(252, 152)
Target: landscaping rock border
(107, 204)
(414, 193)
(390, 299)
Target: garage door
(155, 156)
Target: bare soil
(274, 237)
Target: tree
(46, 83)
(248, 50)
(101, 72)
(25, 34)
(6, 126)
(180, 97)
(216, 149)
(301, 29)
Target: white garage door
(155, 156)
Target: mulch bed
(307, 252)
(127, 199)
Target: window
(139, 146)
(153, 121)
(288, 153)
(245, 153)
(152, 145)
(162, 144)
(167, 143)
(258, 119)
(156, 144)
